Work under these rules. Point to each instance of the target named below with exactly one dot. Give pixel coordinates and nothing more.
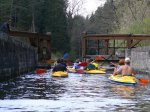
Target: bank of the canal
(16, 57)
(140, 60)
(76, 93)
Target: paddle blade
(83, 64)
(142, 80)
(50, 61)
(98, 58)
(66, 55)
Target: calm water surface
(77, 93)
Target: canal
(76, 93)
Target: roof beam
(117, 36)
(29, 35)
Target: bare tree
(74, 6)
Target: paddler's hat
(127, 59)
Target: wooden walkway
(106, 46)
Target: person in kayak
(90, 66)
(76, 64)
(126, 70)
(60, 66)
(120, 64)
(94, 64)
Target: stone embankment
(140, 58)
(15, 57)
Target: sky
(89, 6)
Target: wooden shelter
(110, 46)
(41, 41)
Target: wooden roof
(30, 35)
(117, 36)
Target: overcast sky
(90, 6)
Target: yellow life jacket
(96, 65)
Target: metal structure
(41, 41)
(110, 46)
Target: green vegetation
(67, 27)
(39, 16)
(140, 28)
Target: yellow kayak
(71, 70)
(103, 69)
(126, 80)
(60, 74)
(95, 72)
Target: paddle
(114, 64)
(85, 63)
(50, 61)
(107, 59)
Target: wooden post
(114, 48)
(106, 46)
(98, 47)
(83, 47)
(129, 42)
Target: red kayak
(40, 71)
(83, 64)
(80, 71)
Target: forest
(65, 24)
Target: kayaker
(60, 66)
(120, 64)
(126, 70)
(76, 64)
(96, 62)
(93, 64)
(89, 66)
(4, 27)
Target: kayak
(95, 71)
(81, 71)
(103, 69)
(126, 80)
(60, 74)
(71, 70)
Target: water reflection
(31, 88)
(123, 91)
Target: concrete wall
(140, 58)
(16, 57)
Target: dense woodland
(65, 24)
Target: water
(77, 93)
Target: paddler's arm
(117, 71)
(114, 64)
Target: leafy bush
(140, 27)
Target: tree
(39, 16)
(56, 21)
(102, 21)
(130, 11)
(76, 34)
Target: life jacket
(96, 65)
(90, 67)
